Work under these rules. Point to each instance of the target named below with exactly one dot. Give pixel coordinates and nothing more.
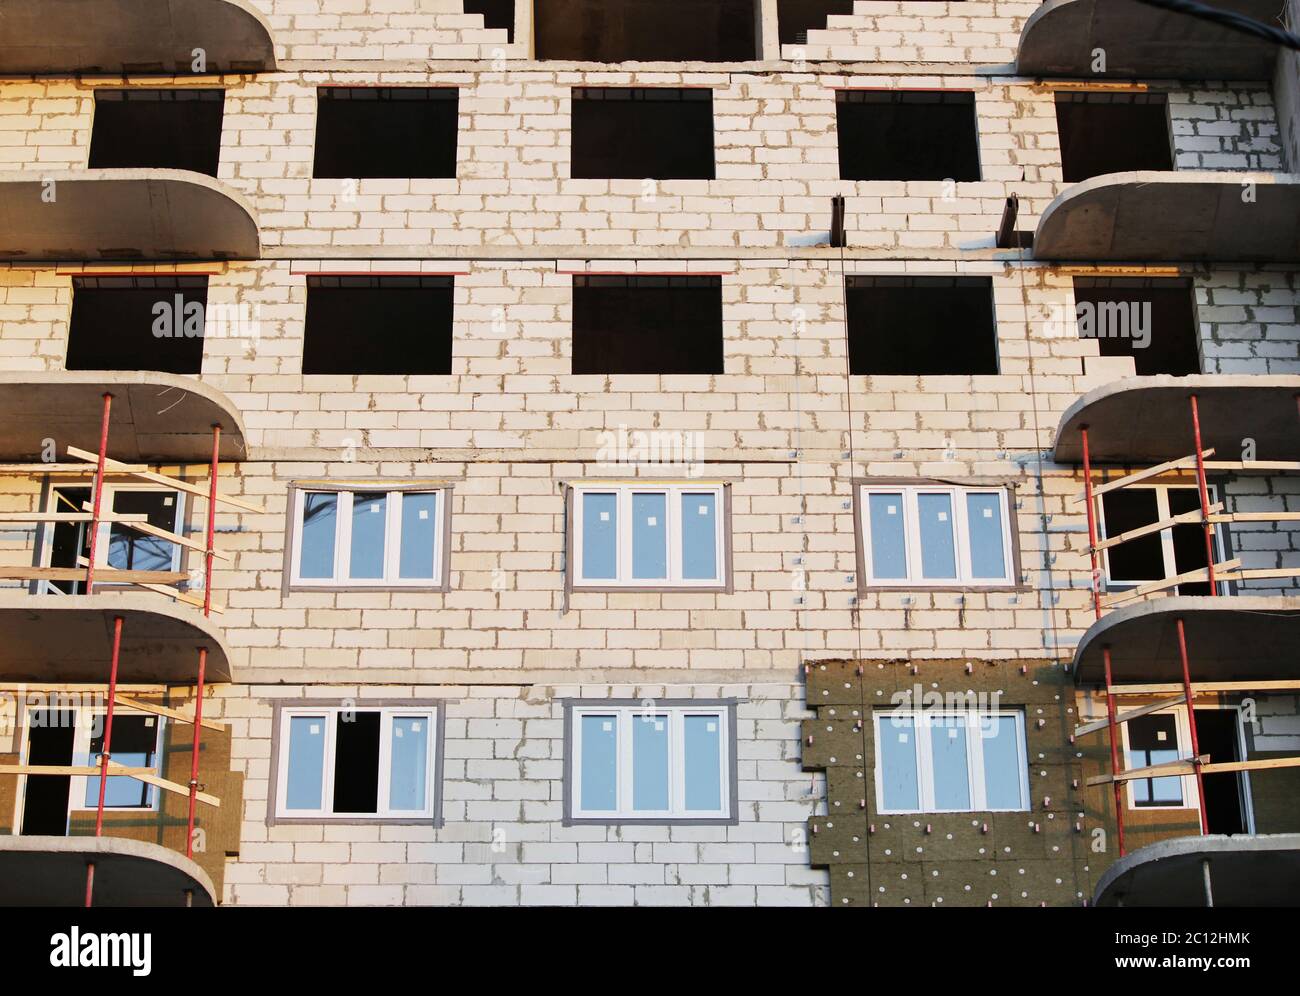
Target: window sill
(674, 589)
(1011, 589)
(361, 588)
(658, 821)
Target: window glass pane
(135, 743)
(599, 774)
(649, 761)
(649, 536)
(419, 535)
(888, 538)
(699, 536)
(951, 770)
(984, 523)
(898, 762)
(408, 766)
(703, 736)
(318, 528)
(599, 536)
(1002, 772)
(306, 762)
(131, 550)
(1154, 740)
(369, 512)
(938, 554)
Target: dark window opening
(1112, 133)
(795, 18)
(378, 325)
(1151, 320)
(634, 133)
(51, 736)
(921, 325)
(386, 132)
(135, 745)
(157, 129)
(137, 323)
(645, 30)
(647, 325)
(1145, 558)
(1217, 734)
(356, 763)
(496, 14)
(907, 135)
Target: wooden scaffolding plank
(71, 770)
(170, 482)
(1257, 517)
(1165, 770)
(1281, 685)
(105, 575)
(132, 519)
(1182, 463)
(142, 524)
(149, 778)
(1222, 572)
(179, 715)
(1146, 710)
(1193, 517)
(1258, 764)
(1256, 466)
(64, 469)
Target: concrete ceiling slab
(51, 871)
(63, 37)
(1173, 216)
(1149, 419)
(124, 214)
(1244, 870)
(69, 638)
(154, 416)
(1144, 42)
(1229, 638)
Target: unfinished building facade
(461, 452)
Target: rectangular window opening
(649, 536)
(157, 129)
(378, 325)
(795, 18)
(1152, 320)
(1166, 553)
(645, 30)
(647, 325)
(496, 14)
(907, 135)
(386, 132)
(1112, 133)
(138, 323)
(921, 325)
(635, 133)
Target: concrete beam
(1126, 39)
(51, 871)
(62, 37)
(124, 214)
(1175, 216)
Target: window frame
(925, 760)
(910, 489)
(432, 709)
(292, 580)
(1222, 545)
(673, 489)
(727, 815)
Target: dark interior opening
(1143, 559)
(1112, 133)
(1217, 735)
(921, 325)
(633, 133)
(645, 30)
(795, 18)
(157, 129)
(356, 763)
(1151, 320)
(496, 14)
(378, 325)
(647, 325)
(50, 739)
(366, 132)
(137, 323)
(907, 135)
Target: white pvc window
(368, 538)
(935, 536)
(651, 762)
(951, 761)
(357, 763)
(1160, 555)
(648, 536)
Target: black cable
(1231, 20)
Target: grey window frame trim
(731, 820)
(728, 587)
(442, 584)
(1013, 524)
(360, 705)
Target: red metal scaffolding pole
(106, 752)
(1191, 725)
(1111, 726)
(208, 553)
